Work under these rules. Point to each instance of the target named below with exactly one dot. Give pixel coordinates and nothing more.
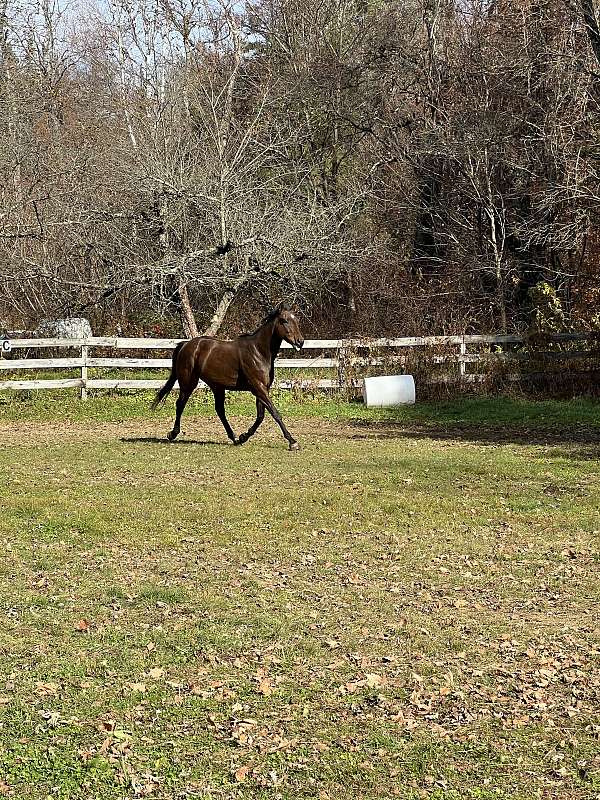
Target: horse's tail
(172, 379)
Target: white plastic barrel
(389, 390)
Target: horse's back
(214, 361)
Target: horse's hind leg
(260, 415)
(220, 409)
(184, 396)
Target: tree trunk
(219, 315)
(351, 295)
(223, 307)
(188, 321)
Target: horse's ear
(273, 313)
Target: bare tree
(179, 157)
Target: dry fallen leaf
(265, 687)
(373, 680)
(43, 689)
(156, 673)
(242, 773)
(82, 626)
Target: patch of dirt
(584, 440)
(148, 430)
(582, 444)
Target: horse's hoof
(171, 436)
(294, 446)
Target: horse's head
(287, 326)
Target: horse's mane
(269, 318)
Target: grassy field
(407, 608)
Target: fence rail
(346, 359)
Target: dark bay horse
(245, 364)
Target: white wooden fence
(346, 358)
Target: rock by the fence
(72, 328)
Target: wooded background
(407, 168)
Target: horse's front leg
(220, 409)
(262, 393)
(260, 415)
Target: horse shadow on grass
(579, 444)
(165, 441)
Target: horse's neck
(267, 342)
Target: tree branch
(591, 24)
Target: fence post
(342, 357)
(462, 364)
(84, 371)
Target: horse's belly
(242, 384)
(215, 363)
(226, 378)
